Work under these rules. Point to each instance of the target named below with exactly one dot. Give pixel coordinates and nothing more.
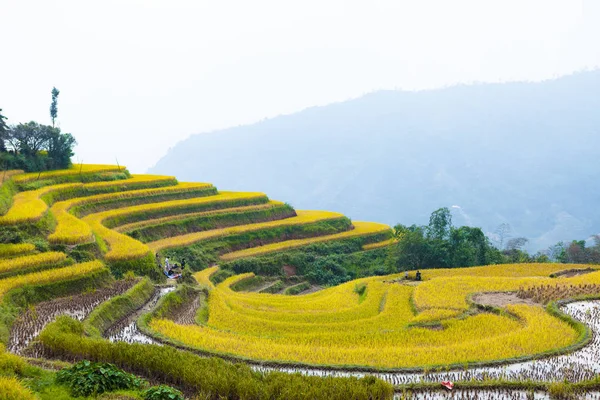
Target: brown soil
(186, 315)
(573, 272)
(31, 322)
(500, 299)
(289, 270)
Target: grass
(360, 229)
(303, 217)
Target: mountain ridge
(517, 153)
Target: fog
(136, 77)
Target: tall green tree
(3, 132)
(54, 105)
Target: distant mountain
(523, 153)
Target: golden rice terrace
(93, 242)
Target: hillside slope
(522, 153)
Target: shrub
(162, 392)
(90, 378)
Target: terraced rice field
(81, 224)
(392, 325)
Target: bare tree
(502, 233)
(516, 243)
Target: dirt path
(501, 299)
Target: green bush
(145, 266)
(299, 288)
(162, 392)
(90, 378)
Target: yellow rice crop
(25, 262)
(360, 229)
(72, 230)
(507, 270)
(303, 217)
(178, 217)
(29, 207)
(203, 277)
(336, 326)
(51, 275)
(13, 250)
(11, 389)
(6, 175)
(75, 170)
(482, 337)
(371, 246)
(123, 247)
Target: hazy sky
(138, 76)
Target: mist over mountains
(526, 154)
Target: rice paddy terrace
(81, 278)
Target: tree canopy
(35, 147)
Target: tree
(54, 105)
(502, 233)
(440, 224)
(29, 138)
(516, 243)
(60, 148)
(3, 132)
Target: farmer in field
(418, 276)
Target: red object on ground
(448, 385)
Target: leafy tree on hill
(441, 245)
(54, 105)
(36, 147)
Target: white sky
(138, 76)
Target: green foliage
(36, 147)
(162, 392)
(113, 310)
(275, 287)
(70, 193)
(220, 276)
(90, 378)
(208, 377)
(441, 245)
(248, 283)
(54, 105)
(207, 222)
(321, 263)
(7, 191)
(299, 288)
(197, 257)
(187, 277)
(98, 206)
(145, 266)
(83, 177)
(360, 288)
